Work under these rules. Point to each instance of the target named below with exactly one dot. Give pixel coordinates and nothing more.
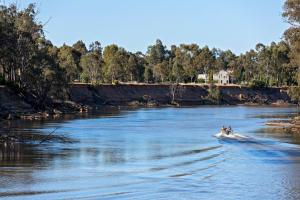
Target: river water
(157, 153)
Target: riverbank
(290, 126)
(85, 97)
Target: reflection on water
(164, 153)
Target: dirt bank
(183, 94)
(84, 97)
(12, 104)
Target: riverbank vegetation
(33, 65)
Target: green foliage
(91, 68)
(156, 53)
(177, 72)
(214, 94)
(148, 75)
(84, 77)
(69, 61)
(201, 80)
(258, 84)
(294, 93)
(80, 48)
(29, 62)
(115, 82)
(292, 11)
(292, 38)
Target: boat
(229, 134)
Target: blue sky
(134, 24)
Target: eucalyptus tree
(292, 35)
(116, 63)
(225, 59)
(156, 53)
(205, 62)
(92, 64)
(80, 47)
(132, 68)
(188, 54)
(161, 71)
(19, 34)
(69, 61)
(148, 75)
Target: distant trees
(31, 62)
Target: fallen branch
(47, 137)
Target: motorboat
(226, 133)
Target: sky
(237, 25)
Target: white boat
(225, 134)
(231, 136)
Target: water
(161, 153)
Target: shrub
(294, 93)
(201, 80)
(214, 93)
(258, 84)
(84, 77)
(115, 82)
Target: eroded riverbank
(85, 98)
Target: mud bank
(84, 97)
(185, 95)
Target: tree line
(32, 63)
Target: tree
(80, 47)
(186, 55)
(92, 64)
(249, 64)
(156, 53)
(116, 62)
(177, 72)
(69, 61)
(205, 61)
(162, 71)
(224, 59)
(292, 12)
(148, 75)
(176, 91)
(292, 35)
(132, 68)
(19, 33)
(91, 68)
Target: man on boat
(226, 131)
(223, 130)
(229, 130)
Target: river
(156, 153)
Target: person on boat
(229, 130)
(223, 130)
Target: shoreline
(291, 125)
(85, 98)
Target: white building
(204, 77)
(222, 77)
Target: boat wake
(233, 136)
